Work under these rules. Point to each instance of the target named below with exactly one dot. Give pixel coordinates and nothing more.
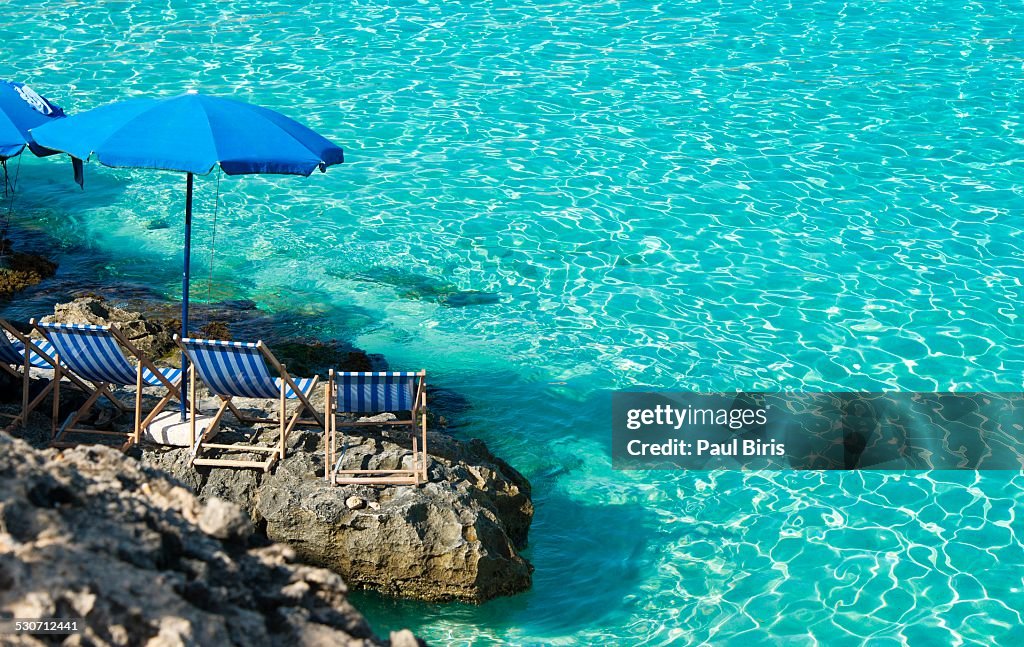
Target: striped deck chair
(94, 354)
(374, 393)
(18, 350)
(244, 370)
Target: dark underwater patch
(470, 298)
(426, 288)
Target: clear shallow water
(545, 201)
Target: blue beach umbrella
(191, 133)
(22, 109)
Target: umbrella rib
(252, 109)
(213, 139)
(93, 149)
(158, 168)
(14, 127)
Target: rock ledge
(454, 538)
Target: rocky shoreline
(456, 538)
(85, 533)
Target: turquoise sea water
(545, 201)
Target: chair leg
(303, 405)
(30, 407)
(316, 418)
(73, 419)
(55, 413)
(280, 416)
(224, 406)
(24, 391)
(425, 454)
(197, 447)
(137, 435)
(105, 392)
(415, 459)
(292, 422)
(192, 406)
(156, 410)
(328, 440)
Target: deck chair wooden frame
(221, 386)
(32, 354)
(77, 367)
(417, 424)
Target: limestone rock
(90, 532)
(224, 520)
(380, 417)
(403, 638)
(455, 538)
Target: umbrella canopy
(191, 133)
(22, 109)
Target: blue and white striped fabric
(92, 353)
(238, 370)
(376, 392)
(13, 352)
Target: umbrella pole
(184, 292)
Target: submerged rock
(92, 533)
(469, 298)
(414, 286)
(310, 357)
(454, 538)
(214, 330)
(19, 271)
